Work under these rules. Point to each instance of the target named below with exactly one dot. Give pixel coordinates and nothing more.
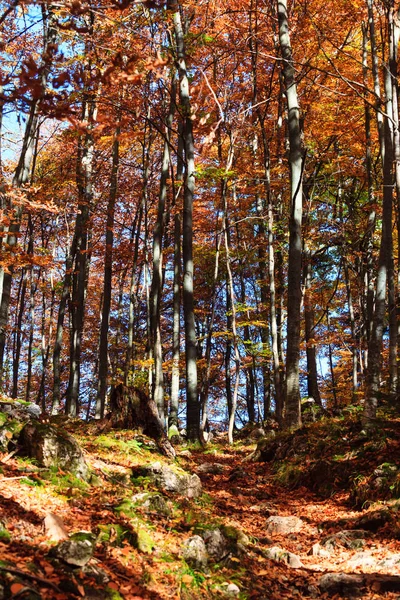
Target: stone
(53, 447)
(317, 550)
(390, 562)
(349, 538)
(216, 544)
(54, 528)
(144, 542)
(151, 503)
(374, 520)
(74, 552)
(341, 583)
(231, 590)
(281, 555)
(211, 468)
(361, 560)
(174, 480)
(283, 525)
(195, 553)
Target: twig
(9, 455)
(30, 576)
(11, 478)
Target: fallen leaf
(187, 579)
(15, 588)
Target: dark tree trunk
(131, 408)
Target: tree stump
(131, 408)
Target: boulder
(349, 538)
(341, 583)
(281, 555)
(194, 552)
(217, 545)
(230, 590)
(211, 468)
(283, 525)
(172, 479)
(152, 503)
(53, 447)
(74, 552)
(317, 550)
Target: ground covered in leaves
(340, 482)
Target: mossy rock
(382, 484)
(115, 534)
(53, 447)
(152, 503)
(144, 541)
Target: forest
(200, 200)
(199, 299)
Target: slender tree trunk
(309, 321)
(296, 158)
(157, 279)
(354, 347)
(193, 404)
(23, 170)
(107, 293)
(80, 275)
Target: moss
(144, 542)
(113, 594)
(82, 536)
(127, 507)
(5, 535)
(115, 534)
(3, 418)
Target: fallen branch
(40, 580)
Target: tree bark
(296, 158)
(192, 399)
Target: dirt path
(245, 495)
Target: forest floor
(240, 497)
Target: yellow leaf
(187, 579)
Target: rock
(51, 447)
(390, 562)
(144, 541)
(185, 453)
(238, 473)
(374, 520)
(230, 590)
(211, 468)
(74, 552)
(174, 480)
(382, 484)
(33, 410)
(216, 544)
(341, 583)
(281, 555)
(152, 503)
(349, 538)
(257, 434)
(194, 552)
(317, 550)
(283, 525)
(173, 432)
(361, 560)
(54, 528)
(96, 573)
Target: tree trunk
(107, 288)
(157, 279)
(131, 408)
(192, 400)
(296, 159)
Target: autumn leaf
(15, 588)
